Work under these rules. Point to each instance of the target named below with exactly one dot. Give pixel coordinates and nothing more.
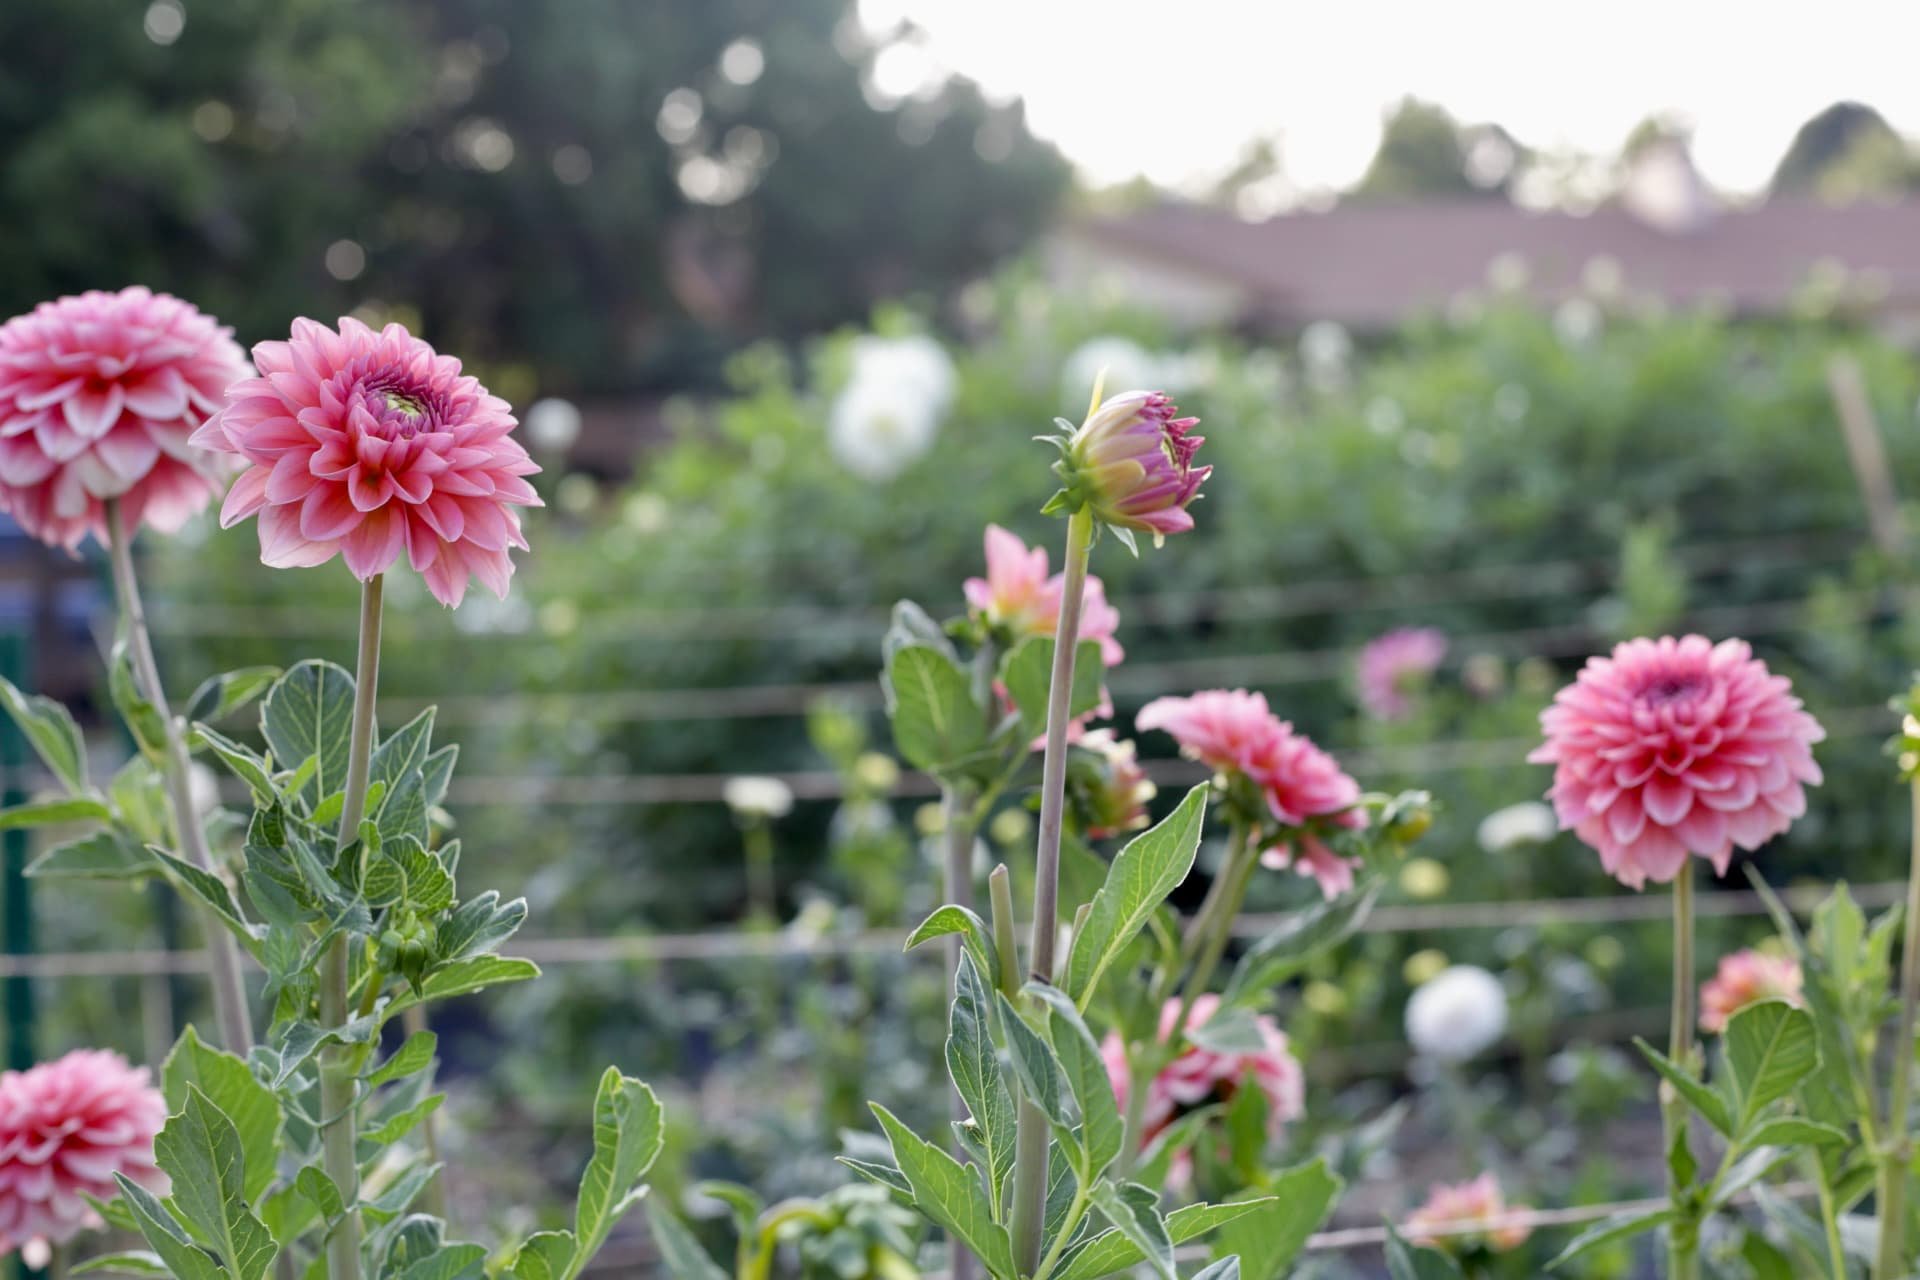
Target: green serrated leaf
(1416, 1262)
(1134, 1211)
(50, 728)
(47, 813)
(104, 855)
(132, 1262)
(308, 715)
(1298, 939)
(936, 723)
(1271, 1236)
(210, 889)
(415, 1055)
(682, 1254)
(1027, 674)
(1102, 1133)
(1770, 1047)
(224, 694)
(1709, 1104)
(1110, 1251)
(184, 1259)
(974, 1065)
(1622, 1226)
(543, 1256)
(1041, 1081)
(1150, 867)
(245, 764)
(973, 932)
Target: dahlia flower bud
(1744, 978)
(1131, 463)
(1110, 789)
(365, 444)
(66, 1128)
(1466, 1216)
(1671, 747)
(98, 396)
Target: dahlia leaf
(936, 723)
(945, 1192)
(231, 1086)
(133, 1262)
(143, 719)
(100, 856)
(628, 1132)
(1101, 1128)
(1271, 1235)
(47, 813)
(1771, 1046)
(1027, 673)
(1149, 868)
(1416, 1262)
(973, 932)
(1622, 1226)
(543, 1256)
(1134, 1211)
(184, 1259)
(1111, 1251)
(211, 890)
(1042, 1082)
(414, 1056)
(308, 715)
(1712, 1108)
(245, 764)
(224, 694)
(52, 731)
(479, 925)
(200, 1150)
(682, 1254)
(1297, 940)
(974, 1065)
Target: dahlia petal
(161, 395)
(375, 543)
(91, 412)
(1666, 799)
(248, 495)
(282, 546)
(328, 513)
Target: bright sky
(1176, 90)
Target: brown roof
(1369, 265)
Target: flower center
(1671, 688)
(401, 411)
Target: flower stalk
(1896, 1151)
(338, 1062)
(1031, 1134)
(1683, 1241)
(223, 954)
(957, 808)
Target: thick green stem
(1683, 1237)
(223, 956)
(1031, 1135)
(337, 1062)
(1896, 1148)
(1000, 899)
(957, 805)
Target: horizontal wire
(1161, 608)
(740, 944)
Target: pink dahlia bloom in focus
(98, 396)
(1131, 461)
(1020, 597)
(1744, 978)
(1394, 665)
(1475, 1210)
(1199, 1076)
(366, 444)
(66, 1127)
(1671, 747)
(1222, 728)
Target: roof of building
(1369, 265)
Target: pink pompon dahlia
(1200, 1076)
(1019, 597)
(66, 1127)
(1301, 790)
(366, 444)
(1744, 978)
(1462, 1217)
(1394, 665)
(1671, 747)
(98, 396)
(1131, 461)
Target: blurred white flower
(1127, 364)
(552, 424)
(1528, 822)
(1457, 1014)
(915, 362)
(877, 428)
(754, 797)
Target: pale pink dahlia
(1744, 978)
(1199, 1076)
(1394, 665)
(98, 396)
(366, 444)
(1463, 1216)
(66, 1127)
(1671, 747)
(1131, 461)
(1225, 729)
(1019, 597)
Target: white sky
(1175, 89)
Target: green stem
(958, 807)
(1068, 1225)
(1211, 933)
(763, 908)
(1031, 1133)
(1683, 1239)
(1829, 1218)
(337, 1062)
(223, 956)
(57, 1261)
(1896, 1148)
(1000, 899)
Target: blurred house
(1369, 266)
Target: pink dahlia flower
(1199, 1076)
(1464, 1216)
(1671, 747)
(366, 444)
(1744, 978)
(1020, 597)
(1131, 461)
(1303, 788)
(1394, 665)
(1113, 790)
(98, 396)
(66, 1127)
